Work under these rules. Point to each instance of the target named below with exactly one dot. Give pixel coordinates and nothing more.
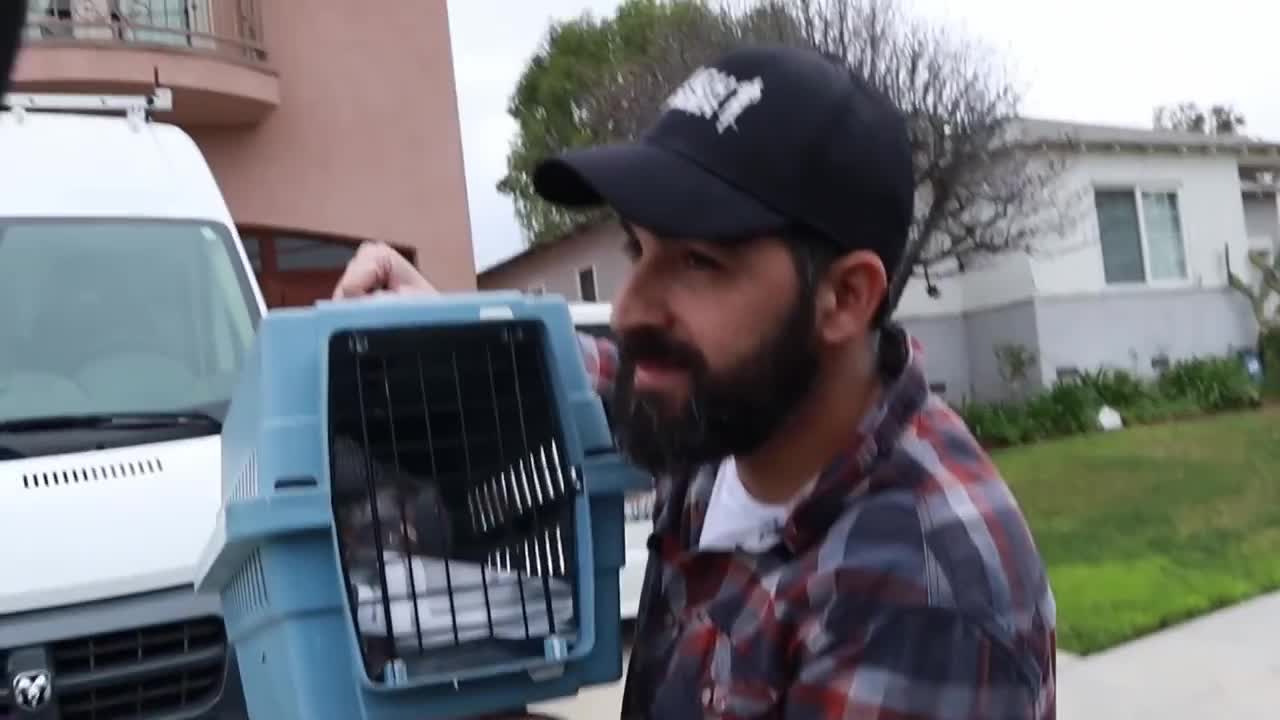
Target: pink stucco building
(325, 123)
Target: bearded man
(829, 539)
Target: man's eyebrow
(725, 244)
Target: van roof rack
(133, 106)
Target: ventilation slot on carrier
(453, 501)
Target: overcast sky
(1104, 61)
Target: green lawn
(1147, 527)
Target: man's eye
(700, 261)
(631, 248)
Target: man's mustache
(654, 346)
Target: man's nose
(640, 302)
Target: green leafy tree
(558, 101)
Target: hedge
(1188, 388)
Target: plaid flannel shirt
(906, 586)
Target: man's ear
(848, 295)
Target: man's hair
(813, 254)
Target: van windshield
(110, 316)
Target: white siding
(916, 303)
(1000, 281)
(1210, 207)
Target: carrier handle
(247, 523)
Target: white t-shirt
(736, 520)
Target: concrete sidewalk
(1222, 665)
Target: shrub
(996, 425)
(1157, 409)
(1119, 388)
(1068, 408)
(1186, 389)
(1213, 384)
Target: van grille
(149, 672)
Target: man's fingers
(360, 278)
(377, 267)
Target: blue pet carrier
(422, 512)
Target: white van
(593, 318)
(128, 305)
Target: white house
(1141, 277)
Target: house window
(587, 284)
(253, 248)
(305, 253)
(1141, 234)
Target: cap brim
(655, 188)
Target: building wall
(1126, 330)
(1084, 332)
(365, 143)
(1015, 324)
(945, 354)
(555, 268)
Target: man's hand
(377, 267)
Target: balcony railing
(227, 28)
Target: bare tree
(1260, 297)
(984, 186)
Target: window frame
(1137, 190)
(595, 283)
(272, 279)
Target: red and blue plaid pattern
(906, 586)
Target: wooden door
(301, 289)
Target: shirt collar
(901, 400)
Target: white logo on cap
(710, 93)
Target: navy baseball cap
(12, 16)
(762, 140)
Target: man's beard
(733, 412)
